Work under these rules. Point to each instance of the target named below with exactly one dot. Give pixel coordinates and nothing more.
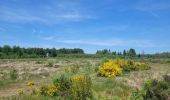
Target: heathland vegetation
(70, 74)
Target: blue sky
(87, 24)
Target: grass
(110, 87)
(118, 88)
(32, 97)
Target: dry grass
(118, 87)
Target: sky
(88, 24)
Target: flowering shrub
(143, 66)
(63, 81)
(128, 65)
(109, 69)
(49, 90)
(115, 67)
(52, 90)
(77, 87)
(43, 90)
(80, 88)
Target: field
(42, 71)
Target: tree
(114, 53)
(53, 52)
(124, 53)
(0, 49)
(132, 52)
(16, 52)
(98, 52)
(6, 49)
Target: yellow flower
(52, 90)
(109, 69)
(30, 83)
(78, 78)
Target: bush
(109, 69)
(71, 86)
(159, 90)
(129, 65)
(80, 87)
(50, 90)
(115, 67)
(154, 90)
(43, 90)
(64, 82)
(77, 87)
(50, 64)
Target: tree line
(7, 51)
(131, 52)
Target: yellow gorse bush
(76, 87)
(131, 64)
(115, 67)
(109, 69)
(80, 88)
(49, 90)
(52, 90)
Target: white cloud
(103, 42)
(49, 14)
(112, 42)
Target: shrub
(64, 82)
(50, 63)
(80, 87)
(105, 59)
(109, 69)
(53, 90)
(141, 66)
(77, 87)
(115, 67)
(159, 90)
(123, 64)
(49, 90)
(43, 90)
(167, 78)
(154, 90)
(128, 65)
